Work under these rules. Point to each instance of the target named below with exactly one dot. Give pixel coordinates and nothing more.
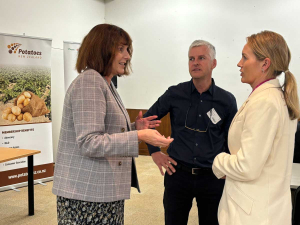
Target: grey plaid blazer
(97, 143)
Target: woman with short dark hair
(95, 168)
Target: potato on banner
(36, 106)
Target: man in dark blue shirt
(200, 114)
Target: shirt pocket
(179, 115)
(240, 198)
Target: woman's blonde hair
(268, 44)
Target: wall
(60, 20)
(163, 30)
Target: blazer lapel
(120, 103)
(269, 84)
(240, 110)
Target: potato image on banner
(21, 106)
(16, 110)
(27, 94)
(11, 117)
(20, 117)
(7, 110)
(36, 106)
(21, 99)
(26, 101)
(5, 116)
(27, 117)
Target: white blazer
(258, 170)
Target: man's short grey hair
(211, 48)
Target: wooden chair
(296, 208)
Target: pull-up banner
(70, 58)
(25, 105)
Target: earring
(262, 70)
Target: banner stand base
(41, 183)
(13, 188)
(24, 184)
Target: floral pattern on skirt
(77, 212)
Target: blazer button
(123, 129)
(120, 163)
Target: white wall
(67, 20)
(163, 30)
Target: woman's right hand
(153, 137)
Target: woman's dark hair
(99, 47)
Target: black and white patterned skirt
(71, 212)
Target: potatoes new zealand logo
(13, 47)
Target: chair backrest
(296, 208)
(297, 145)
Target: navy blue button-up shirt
(190, 109)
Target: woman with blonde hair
(261, 138)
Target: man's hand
(146, 123)
(162, 160)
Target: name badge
(213, 116)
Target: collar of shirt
(210, 89)
(261, 84)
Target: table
(7, 154)
(295, 181)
